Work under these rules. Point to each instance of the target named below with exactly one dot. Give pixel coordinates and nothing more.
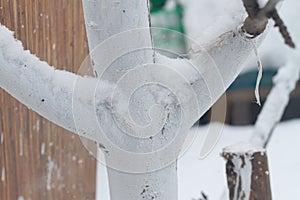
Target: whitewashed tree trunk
(197, 84)
(105, 18)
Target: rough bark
(248, 176)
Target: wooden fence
(39, 160)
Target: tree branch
(282, 28)
(257, 20)
(40, 87)
(50, 93)
(284, 83)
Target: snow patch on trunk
(242, 155)
(243, 169)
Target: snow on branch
(50, 92)
(229, 54)
(284, 83)
(40, 87)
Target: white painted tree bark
(34, 83)
(117, 17)
(142, 125)
(104, 19)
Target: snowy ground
(208, 175)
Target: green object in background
(167, 16)
(157, 4)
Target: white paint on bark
(117, 17)
(217, 66)
(40, 87)
(221, 68)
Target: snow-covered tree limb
(25, 76)
(284, 83)
(34, 83)
(42, 88)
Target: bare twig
(282, 28)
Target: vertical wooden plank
(41, 160)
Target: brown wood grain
(260, 187)
(53, 30)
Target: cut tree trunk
(248, 176)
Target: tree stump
(247, 171)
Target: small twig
(282, 28)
